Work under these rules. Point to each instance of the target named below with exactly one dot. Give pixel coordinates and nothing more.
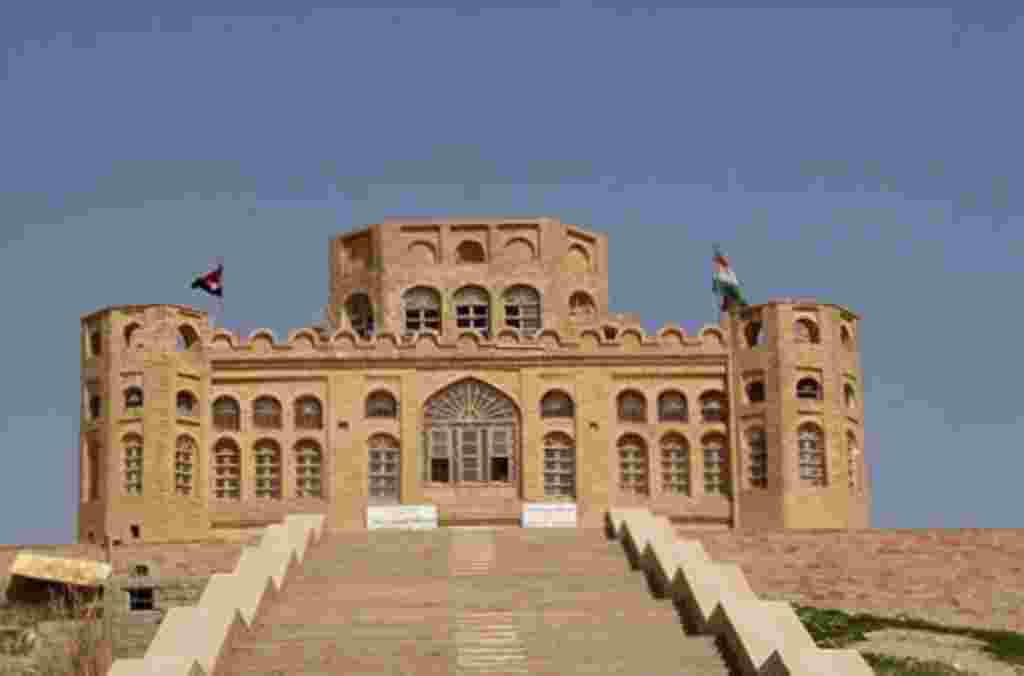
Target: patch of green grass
(887, 665)
(837, 629)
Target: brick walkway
(471, 602)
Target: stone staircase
(469, 601)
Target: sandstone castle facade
(471, 365)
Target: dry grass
(70, 638)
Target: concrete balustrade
(761, 638)
(191, 641)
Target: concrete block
(162, 666)
(753, 630)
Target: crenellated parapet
(626, 340)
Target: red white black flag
(211, 282)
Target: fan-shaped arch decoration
(470, 401)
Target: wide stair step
(506, 601)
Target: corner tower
(798, 387)
(145, 412)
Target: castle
(472, 365)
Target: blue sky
(867, 157)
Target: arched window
(632, 407)
(186, 404)
(95, 407)
(755, 391)
(133, 465)
(559, 466)
(672, 407)
(184, 459)
(522, 308)
(308, 414)
(129, 332)
(849, 396)
(227, 470)
(472, 309)
(95, 342)
(846, 337)
(267, 457)
(187, 338)
(422, 310)
(754, 333)
(93, 455)
(266, 413)
(757, 449)
(634, 473)
(716, 465)
(309, 462)
(556, 404)
(675, 465)
(581, 306)
(226, 414)
(133, 399)
(812, 455)
(853, 463)
(385, 469)
(806, 331)
(808, 388)
(470, 252)
(359, 311)
(712, 407)
(381, 404)
(610, 332)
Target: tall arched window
(267, 462)
(634, 472)
(359, 311)
(632, 407)
(133, 465)
(846, 337)
(806, 331)
(522, 308)
(384, 473)
(421, 307)
(712, 407)
(672, 407)
(381, 404)
(129, 332)
(808, 388)
(675, 465)
(853, 461)
(716, 465)
(309, 462)
(95, 342)
(266, 413)
(812, 455)
(472, 309)
(559, 466)
(93, 462)
(226, 413)
(757, 450)
(849, 396)
(186, 402)
(95, 406)
(754, 333)
(184, 459)
(309, 414)
(227, 470)
(556, 404)
(133, 399)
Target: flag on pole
(724, 282)
(211, 282)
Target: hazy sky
(867, 157)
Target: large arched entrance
(471, 442)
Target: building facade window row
(811, 457)
(671, 407)
(636, 466)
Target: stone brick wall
(971, 577)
